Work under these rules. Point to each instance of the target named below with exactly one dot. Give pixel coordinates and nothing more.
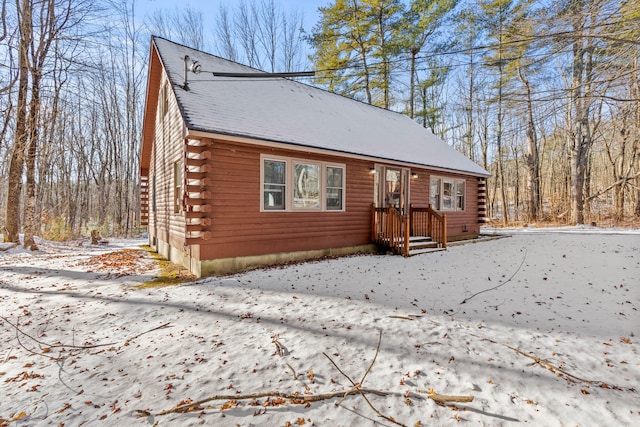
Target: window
(153, 192)
(297, 185)
(164, 99)
(447, 194)
(306, 186)
(460, 195)
(274, 185)
(177, 187)
(335, 188)
(392, 187)
(434, 196)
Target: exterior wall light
(414, 175)
(372, 170)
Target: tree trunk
(503, 194)
(412, 83)
(16, 165)
(576, 150)
(582, 76)
(30, 200)
(532, 157)
(469, 110)
(365, 69)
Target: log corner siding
(204, 191)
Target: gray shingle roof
(286, 111)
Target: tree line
(546, 96)
(73, 76)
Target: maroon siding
(457, 222)
(240, 229)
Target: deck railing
(428, 222)
(392, 229)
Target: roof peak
(292, 112)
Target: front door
(392, 187)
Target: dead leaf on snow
(229, 405)
(19, 416)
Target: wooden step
(419, 246)
(425, 251)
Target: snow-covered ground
(539, 328)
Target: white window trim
(288, 186)
(178, 187)
(293, 183)
(286, 183)
(455, 182)
(164, 99)
(323, 195)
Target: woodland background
(545, 95)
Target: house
(240, 170)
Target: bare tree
(226, 46)
(260, 34)
(16, 166)
(182, 24)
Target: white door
(392, 187)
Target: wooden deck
(419, 229)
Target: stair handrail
(437, 226)
(390, 228)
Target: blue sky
(210, 7)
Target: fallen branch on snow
(46, 347)
(298, 398)
(356, 386)
(545, 364)
(166, 325)
(555, 369)
(443, 398)
(501, 284)
(279, 347)
(293, 397)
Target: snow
(568, 299)
(286, 111)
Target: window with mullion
(274, 185)
(177, 186)
(447, 194)
(434, 196)
(460, 185)
(334, 188)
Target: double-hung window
(460, 195)
(164, 99)
(302, 185)
(177, 186)
(274, 185)
(434, 195)
(447, 194)
(334, 188)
